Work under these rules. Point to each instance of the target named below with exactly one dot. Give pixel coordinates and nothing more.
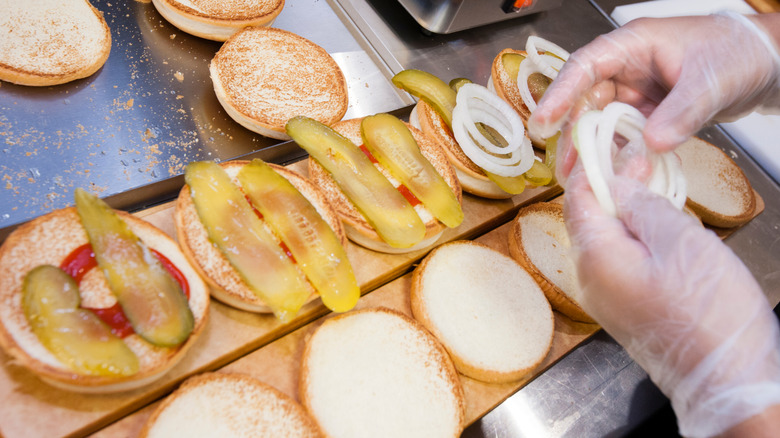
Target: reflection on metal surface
(127, 131)
(447, 16)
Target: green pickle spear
(312, 242)
(75, 336)
(434, 92)
(392, 144)
(383, 206)
(236, 230)
(149, 296)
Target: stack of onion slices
(593, 138)
(477, 107)
(549, 63)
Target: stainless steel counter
(128, 131)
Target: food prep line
(128, 131)
(597, 390)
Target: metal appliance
(447, 16)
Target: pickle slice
(539, 174)
(236, 230)
(75, 336)
(310, 239)
(537, 82)
(392, 144)
(429, 88)
(149, 296)
(383, 206)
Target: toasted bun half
(378, 373)
(218, 20)
(264, 76)
(471, 177)
(488, 312)
(538, 240)
(718, 190)
(50, 42)
(505, 86)
(49, 239)
(228, 405)
(357, 228)
(226, 284)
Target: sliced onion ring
(476, 104)
(593, 138)
(548, 64)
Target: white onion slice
(476, 104)
(548, 64)
(593, 138)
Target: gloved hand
(679, 72)
(681, 302)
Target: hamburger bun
(505, 87)
(357, 228)
(718, 190)
(265, 76)
(485, 309)
(379, 373)
(471, 177)
(226, 284)
(50, 42)
(218, 20)
(49, 239)
(538, 240)
(228, 405)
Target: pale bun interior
(485, 308)
(217, 20)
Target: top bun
(49, 239)
(50, 42)
(263, 77)
(218, 19)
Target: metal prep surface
(126, 132)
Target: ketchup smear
(284, 247)
(402, 188)
(82, 259)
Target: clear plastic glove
(679, 72)
(680, 301)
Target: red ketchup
(82, 259)
(284, 247)
(401, 188)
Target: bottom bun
(228, 405)
(485, 308)
(49, 239)
(378, 373)
(538, 240)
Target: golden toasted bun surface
(226, 284)
(506, 86)
(218, 20)
(49, 239)
(49, 42)
(270, 75)
(378, 373)
(538, 240)
(228, 10)
(485, 308)
(228, 405)
(358, 229)
(718, 190)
